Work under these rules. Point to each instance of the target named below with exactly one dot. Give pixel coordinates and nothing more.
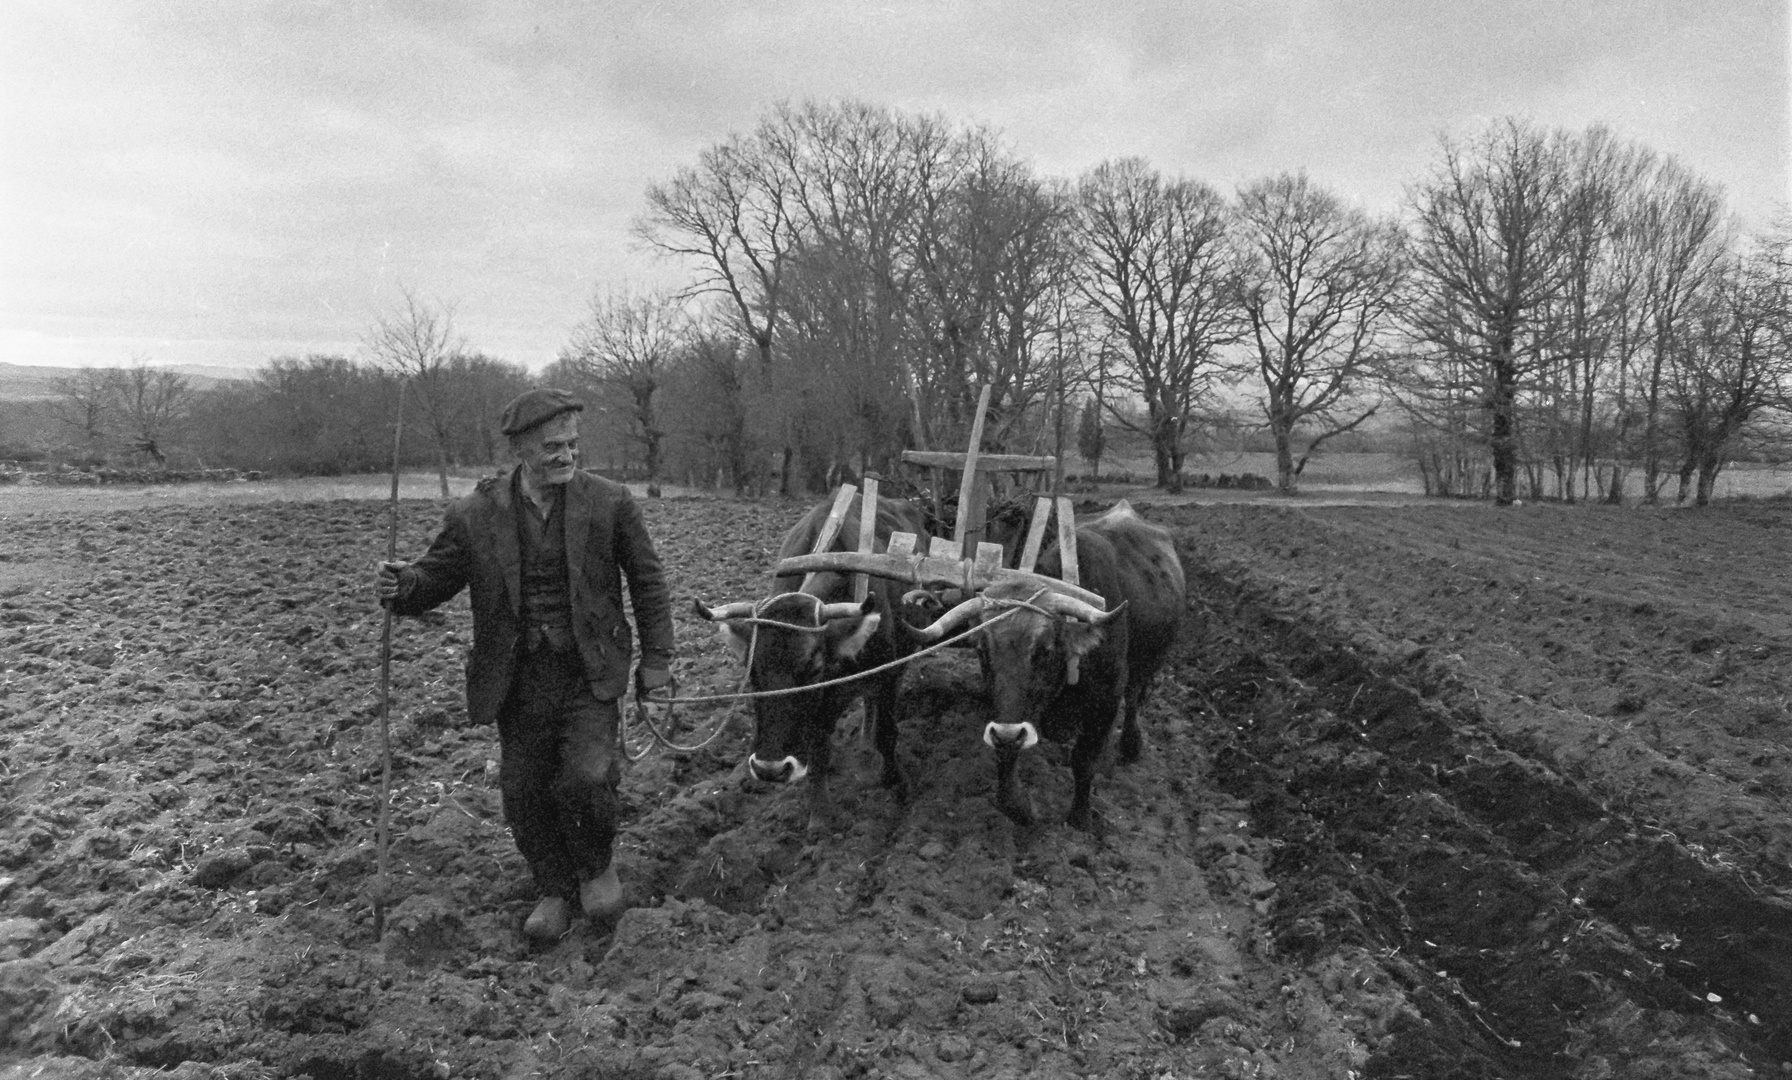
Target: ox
(1059, 667)
(802, 636)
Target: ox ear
(1079, 640)
(848, 637)
(736, 638)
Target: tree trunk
(1504, 446)
(442, 467)
(1652, 433)
(1708, 469)
(1160, 453)
(1284, 457)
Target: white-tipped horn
(740, 609)
(1071, 607)
(962, 613)
(843, 610)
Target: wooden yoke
(943, 571)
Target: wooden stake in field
(383, 883)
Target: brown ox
(1060, 668)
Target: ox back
(1151, 580)
(792, 737)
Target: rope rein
(660, 738)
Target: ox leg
(881, 704)
(1011, 798)
(1090, 739)
(1132, 740)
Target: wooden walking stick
(383, 886)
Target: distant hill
(26, 382)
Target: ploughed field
(1427, 791)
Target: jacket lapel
(577, 510)
(504, 539)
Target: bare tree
(628, 344)
(1157, 281)
(151, 404)
(85, 399)
(861, 174)
(884, 265)
(1594, 330)
(479, 387)
(416, 342)
(319, 414)
(713, 393)
(1685, 242)
(1490, 254)
(733, 217)
(1733, 363)
(1090, 439)
(993, 269)
(1317, 283)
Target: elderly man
(544, 549)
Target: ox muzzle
(1022, 736)
(786, 770)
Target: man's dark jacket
(605, 538)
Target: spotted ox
(1059, 667)
(806, 636)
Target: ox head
(1029, 655)
(791, 640)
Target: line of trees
(1557, 310)
(1580, 307)
(133, 412)
(331, 415)
(1555, 314)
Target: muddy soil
(1531, 762)
(1392, 820)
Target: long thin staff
(381, 897)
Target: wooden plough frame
(963, 562)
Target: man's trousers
(559, 769)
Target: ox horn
(964, 611)
(844, 609)
(740, 609)
(1071, 607)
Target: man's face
(550, 451)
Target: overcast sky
(218, 183)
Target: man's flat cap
(536, 407)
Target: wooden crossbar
(947, 459)
(942, 571)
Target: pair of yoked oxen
(1053, 664)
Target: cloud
(275, 171)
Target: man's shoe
(601, 897)
(549, 921)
